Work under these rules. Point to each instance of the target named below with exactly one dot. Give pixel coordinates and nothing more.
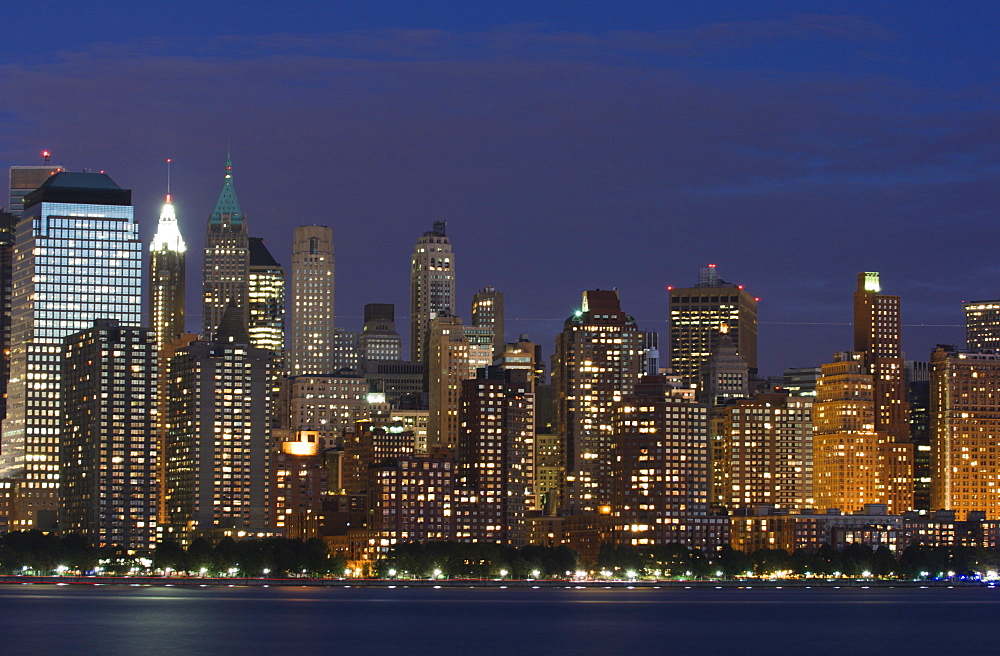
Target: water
(354, 621)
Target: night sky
(572, 146)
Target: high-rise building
(918, 396)
(167, 277)
(495, 455)
(965, 422)
(487, 312)
(312, 333)
(379, 339)
(982, 324)
(696, 315)
(448, 366)
(225, 274)
(877, 341)
(660, 482)
(432, 287)
(25, 179)
(266, 293)
(7, 224)
(723, 375)
(218, 451)
(77, 258)
(108, 489)
(598, 360)
(762, 452)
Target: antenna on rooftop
(46, 157)
(168, 176)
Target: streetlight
(535, 573)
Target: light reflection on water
(151, 620)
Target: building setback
(108, 490)
(432, 287)
(225, 274)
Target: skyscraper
(25, 179)
(487, 312)
(7, 224)
(225, 274)
(218, 451)
(432, 287)
(495, 454)
(166, 278)
(598, 359)
(78, 258)
(108, 489)
(982, 324)
(877, 340)
(696, 315)
(311, 347)
(266, 293)
(965, 422)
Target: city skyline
(753, 138)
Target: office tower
(25, 179)
(965, 422)
(660, 470)
(723, 375)
(597, 361)
(487, 312)
(379, 339)
(312, 334)
(495, 455)
(432, 287)
(218, 451)
(166, 277)
(266, 294)
(225, 273)
(7, 224)
(918, 396)
(326, 405)
(762, 452)
(982, 324)
(78, 258)
(108, 490)
(877, 340)
(550, 470)
(696, 315)
(523, 355)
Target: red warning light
(756, 299)
(711, 266)
(739, 286)
(46, 153)
(670, 288)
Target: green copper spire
(227, 203)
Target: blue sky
(569, 145)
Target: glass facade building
(77, 258)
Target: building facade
(487, 312)
(696, 315)
(225, 273)
(77, 258)
(598, 360)
(432, 287)
(312, 310)
(965, 423)
(108, 488)
(266, 296)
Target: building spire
(227, 208)
(168, 233)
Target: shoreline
(197, 581)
